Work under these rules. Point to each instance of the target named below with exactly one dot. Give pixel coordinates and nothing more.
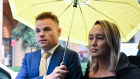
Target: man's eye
(47, 29)
(37, 31)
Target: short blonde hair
(112, 35)
(48, 15)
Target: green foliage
(84, 66)
(15, 69)
(27, 34)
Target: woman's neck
(101, 74)
(103, 63)
(103, 69)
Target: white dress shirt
(51, 51)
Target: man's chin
(42, 46)
(46, 46)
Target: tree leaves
(27, 34)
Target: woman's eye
(90, 38)
(100, 38)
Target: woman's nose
(94, 42)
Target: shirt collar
(51, 51)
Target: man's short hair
(46, 15)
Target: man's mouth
(42, 40)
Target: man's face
(47, 33)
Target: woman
(106, 60)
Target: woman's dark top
(124, 70)
(111, 77)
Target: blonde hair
(46, 15)
(112, 35)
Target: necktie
(43, 64)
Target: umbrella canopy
(78, 16)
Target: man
(47, 34)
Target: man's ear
(59, 31)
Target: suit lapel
(56, 59)
(35, 62)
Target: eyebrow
(43, 28)
(97, 35)
(37, 29)
(100, 35)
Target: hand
(58, 73)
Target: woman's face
(98, 45)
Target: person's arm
(58, 72)
(74, 67)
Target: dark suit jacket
(31, 62)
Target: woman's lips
(93, 50)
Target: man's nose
(42, 34)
